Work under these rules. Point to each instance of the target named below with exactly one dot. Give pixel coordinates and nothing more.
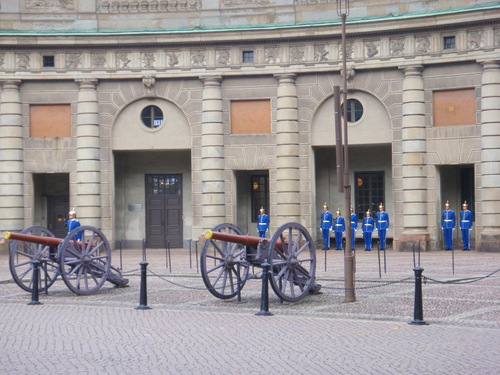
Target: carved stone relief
(297, 54)
(371, 48)
(223, 57)
(272, 55)
(2, 61)
(122, 60)
(146, 6)
(98, 60)
(397, 46)
(148, 60)
(23, 61)
(497, 37)
(149, 81)
(173, 58)
(349, 49)
(245, 3)
(198, 58)
(474, 38)
(320, 53)
(423, 45)
(47, 6)
(73, 60)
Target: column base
(489, 241)
(411, 241)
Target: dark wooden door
(164, 210)
(57, 213)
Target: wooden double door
(164, 210)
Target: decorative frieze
(349, 49)
(223, 57)
(122, 60)
(320, 52)
(148, 60)
(297, 54)
(98, 60)
(423, 45)
(173, 58)
(372, 48)
(48, 6)
(475, 39)
(397, 46)
(23, 61)
(148, 6)
(245, 3)
(73, 61)
(198, 58)
(272, 55)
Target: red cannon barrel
(49, 241)
(240, 239)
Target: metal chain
(458, 282)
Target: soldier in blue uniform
(354, 227)
(73, 223)
(367, 228)
(262, 223)
(466, 219)
(326, 226)
(338, 228)
(382, 225)
(448, 224)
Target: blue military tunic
(448, 224)
(338, 228)
(367, 228)
(72, 224)
(262, 225)
(466, 219)
(382, 226)
(326, 226)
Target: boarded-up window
(50, 120)
(455, 107)
(250, 116)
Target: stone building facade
(159, 119)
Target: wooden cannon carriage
(227, 256)
(83, 265)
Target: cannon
(83, 265)
(227, 255)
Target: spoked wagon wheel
(219, 264)
(85, 265)
(22, 254)
(292, 259)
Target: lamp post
(350, 295)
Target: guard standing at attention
(367, 228)
(326, 226)
(73, 223)
(354, 227)
(338, 228)
(262, 223)
(382, 225)
(448, 224)
(466, 219)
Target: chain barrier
(371, 286)
(459, 282)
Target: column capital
(412, 70)
(211, 80)
(286, 77)
(86, 82)
(489, 64)
(13, 83)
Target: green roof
(359, 20)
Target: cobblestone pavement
(189, 331)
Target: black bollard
(264, 297)
(143, 299)
(36, 276)
(418, 313)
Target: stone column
(490, 158)
(11, 158)
(88, 179)
(414, 170)
(287, 151)
(212, 154)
